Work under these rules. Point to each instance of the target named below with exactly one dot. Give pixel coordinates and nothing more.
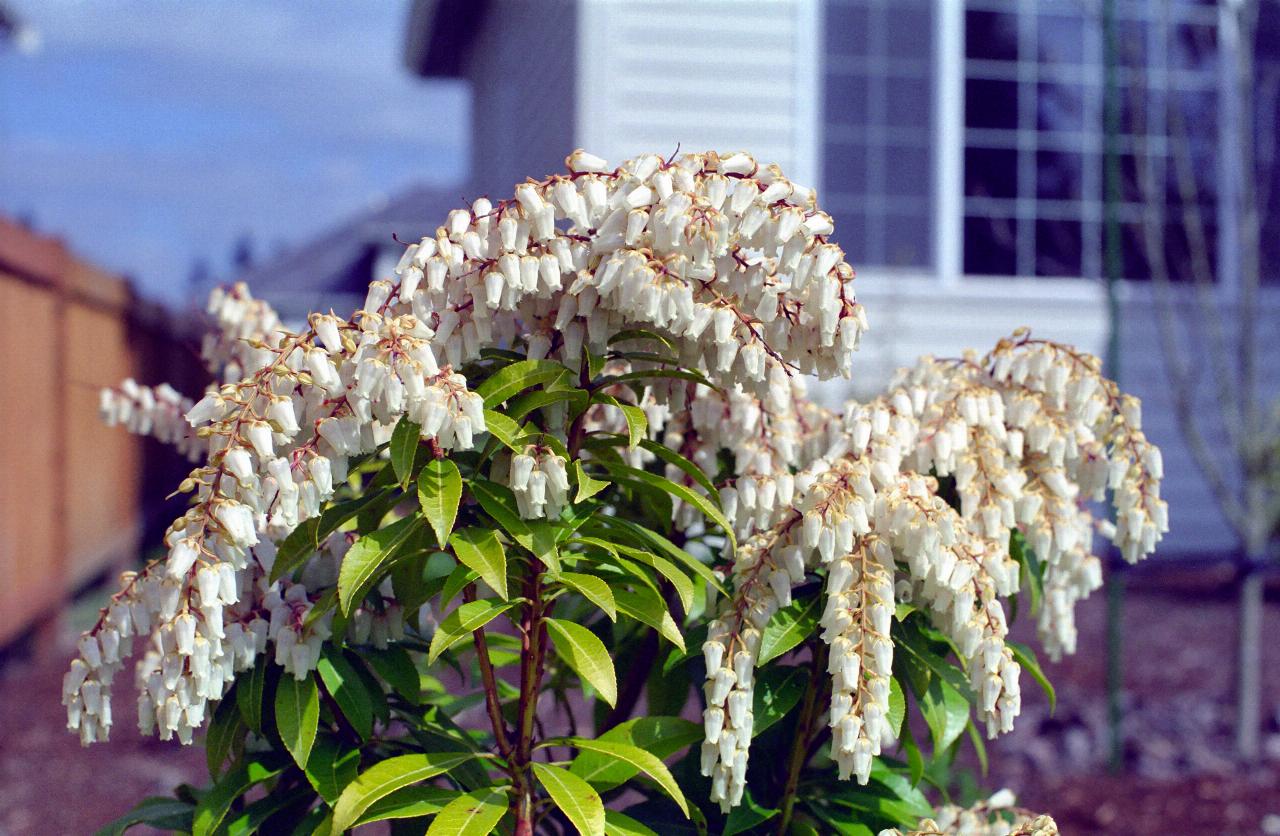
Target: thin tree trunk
(1249, 662)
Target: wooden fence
(75, 495)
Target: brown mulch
(1179, 777)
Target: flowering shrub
(459, 561)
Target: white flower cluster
(1024, 435)
(151, 411)
(540, 482)
(995, 816)
(245, 329)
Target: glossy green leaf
(331, 767)
(396, 667)
(226, 733)
(249, 693)
(408, 803)
(637, 421)
(158, 812)
(582, 651)
(897, 710)
(385, 777)
(479, 549)
(458, 580)
(499, 502)
(297, 715)
(789, 626)
(304, 540)
(501, 427)
(945, 710)
(403, 447)
(587, 486)
(473, 814)
(692, 470)
(642, 760)
(979, 747)
(778, 690)
(641, 334)
(593, 589)
(709, 509)
(679, 580)
(574, 796)
(215, 803)
(439, 493)
(747, 816)
(517, 377)
(620, 824)
(1026, 657)
(344, 684)
(645, 606)
(460, 623)
(369, 556)
(655, 541)
(659, 736)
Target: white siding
(721, 74)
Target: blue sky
(147, 133)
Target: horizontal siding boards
(716, 75)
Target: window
(1034, 140)
(877, 144)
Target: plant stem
(490, 682)
(804, 731)
(530, 680)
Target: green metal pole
(1114, 266)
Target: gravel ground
(1179, 777)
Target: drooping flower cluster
(727, 260)
(152, 411)
(1024, 436)
(540, 482)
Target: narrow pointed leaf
(439, 492)
(642, 760)
(517, 377)
(385, 777)
(331, 767)
(403, 448)
(708, 508)
(586, 654)
(369, 556)
(479, 549)
(645, 606)
(535, 535)
(620, 824)
(347, 689)
(587, 486)
(460, 623)
(789, 626)
(659, 736)
(593, 589)
(575, 798)
(637, 421)
(473, 814)
(297, 715)
(1026, 657)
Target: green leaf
(458, 579)
(249, 689)
(678, 579)
(304, 540)
(645, 606)
(587, 487)
(297, 715)
(620, 824)
(157, 811)
(945, 710)
(251, 818)
(215, 803)
(642, 760)
(368, 556)
(778, 690)
(347, 689)
(659, 543)
(403, 447)
(473, 814)
(897, 707)
(746, 816)
(479, 549)
(1026, 657)
(331, 767)
(462, 622)
(593, 589)
(637, 421)
(396, 667)
(694, 472)
(439, 493)
(408, 803)
(915, 760)
(226, 732)
(500, 503)
(522, 406)
(979, 747)
(586, 654)
(641, 334)
(508, 381)
(659, 736)
(501, 427)
(789, 626)
(574, 796)
(681, 492)
(384, 778)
